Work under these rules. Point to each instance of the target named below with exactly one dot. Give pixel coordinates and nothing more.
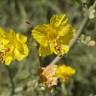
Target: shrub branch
(73, 41)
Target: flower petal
(8, 59)
(44, 51)
(21, 52)
(58, 21)
(21, 38)
(64, 72)
(39, 33)
(67, 34)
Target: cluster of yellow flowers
(12, 46)
(52, 73)
(52, 38)
(55, 36)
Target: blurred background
(22, 16)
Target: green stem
(11, 80)
(63, 90)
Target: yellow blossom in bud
(12, 46)
(63, 72)
(55, 36)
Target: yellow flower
(64, 72)
(12, 46)
(55, 36)
(52, 73)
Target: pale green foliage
(87, 40)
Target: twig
(83, 24)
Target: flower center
(3, 52)
(57, 46)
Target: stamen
(7, 49)
(3, 53)
(57, 46)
